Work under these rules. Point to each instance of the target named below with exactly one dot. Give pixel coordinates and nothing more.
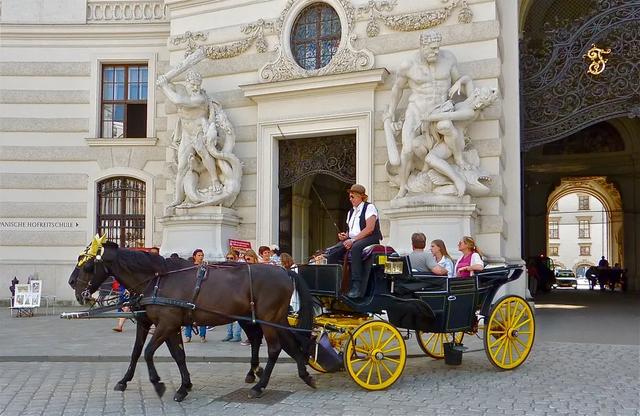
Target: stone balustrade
(122, 11)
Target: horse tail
(305, 312)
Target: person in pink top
(470, 261)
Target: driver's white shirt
(353, 222)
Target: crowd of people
(363, 229)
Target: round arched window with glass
(315, 36)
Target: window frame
(554, 225)
(554, 251)
(95, 96)
(582, 229)
(92, 192)
(581, 206)
(126, 101)
(121, 215)
(319, 38)
(586, 248)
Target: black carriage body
(417, 301)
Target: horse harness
(202, 274)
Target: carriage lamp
(393, 265)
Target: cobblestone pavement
(575, 368)
(553, 381)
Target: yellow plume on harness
(92, 249)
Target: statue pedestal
(447, 222)
(208, 228)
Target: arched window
(315, 36)
(121, 209)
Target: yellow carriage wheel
(375, 355)
(432, 342)
(509, 333)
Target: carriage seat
(375, 251)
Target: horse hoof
(120, 386)
(259, 372)
(250, 378)
(310, 381)
(179, 396)
(160, 388)
(255, 394)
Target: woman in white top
(470, 261)
(439, 251)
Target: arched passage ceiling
(559, 97)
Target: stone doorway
(312, 178)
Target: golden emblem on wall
(598, 62)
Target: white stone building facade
(54, 157)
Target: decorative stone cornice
(410, 21)
(109, 11)
(255, 32)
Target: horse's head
(90, 271)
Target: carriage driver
(363, 231)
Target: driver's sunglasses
(230, 259)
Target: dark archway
(313, 174)
(559, 96)
(579, 124)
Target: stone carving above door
(331, 155)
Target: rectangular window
(123, 111)
(584, 229)
(554, 229)
(553, 250)
(585, 250)
(583, 203)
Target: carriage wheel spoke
(378, 373)
(517, 319)
(380, 336)
(362, 350)
(369, 373)
(522, 323)
(516, 348)
(363, 368)
(386, 368)
(391, 338)
(393, 360)
(519, 341)
(392, 349)
(492, 344)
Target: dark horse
(225, 294)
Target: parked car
(566, 278)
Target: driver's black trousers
(335, 255)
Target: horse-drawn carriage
(353, 336)
(348, 332)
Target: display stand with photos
(27, 298)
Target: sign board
(36, 293)
(28, 295)
(239, 244)
(42, 224)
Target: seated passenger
(423, 261)
(439, 251)
(470, 261)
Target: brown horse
(226, 293)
